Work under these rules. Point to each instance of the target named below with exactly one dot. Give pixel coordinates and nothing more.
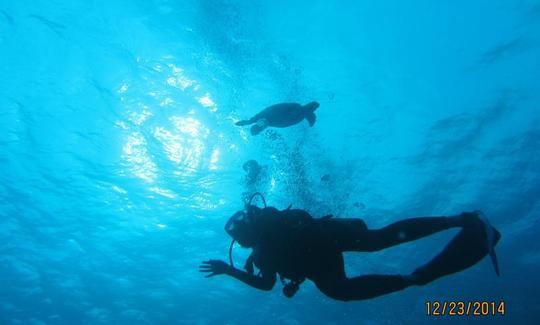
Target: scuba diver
(294, 245)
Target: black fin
(490, 242)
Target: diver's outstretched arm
(215, 267)
(264, 282)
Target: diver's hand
(214, 267)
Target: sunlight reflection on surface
(178, 79)
(163, 192)
(169, 113)
(138, 118)
(206, 101)
(136, 154)
(185, 146)
(214, 159)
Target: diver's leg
(405, 231)
(467, 248)
(328, 274)
(362, 287)
(353, 234)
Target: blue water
(120, 161)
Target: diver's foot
(492, 238)
(472, 243)
(478, 220)
(469, 219)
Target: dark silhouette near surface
(292, 244)
(504, 49)
(253, 171)
(255, 178)
(281, 116)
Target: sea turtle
(281, 116)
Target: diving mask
(241, 218)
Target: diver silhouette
(292, 244)
(281, 116)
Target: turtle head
(311, 107)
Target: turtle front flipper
(310, 112)
(311, 118)
(259, 126)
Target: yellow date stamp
(465, 308)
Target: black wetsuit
(297, 246)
